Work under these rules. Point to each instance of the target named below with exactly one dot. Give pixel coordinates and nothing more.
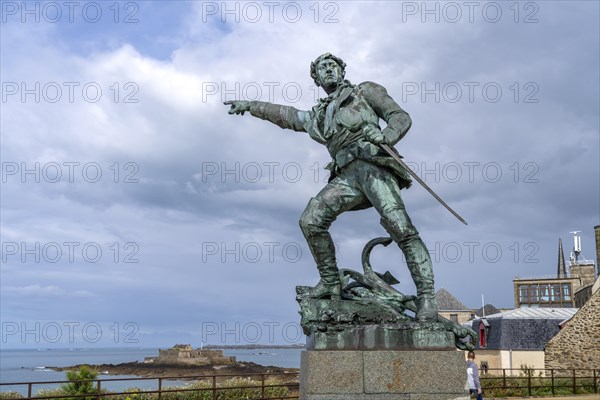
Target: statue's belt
(357, 149)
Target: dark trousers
(358, 183)
(477, 396)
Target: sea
(30, 365)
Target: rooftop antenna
(483, 305)
(576, 244)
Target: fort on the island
(185, 354)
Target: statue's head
(328, 70)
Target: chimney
(597, 230)
(562, 269)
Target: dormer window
(483, 333)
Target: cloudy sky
(137, 212)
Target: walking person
(473, 377)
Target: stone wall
(597, 234)
(577, 345)
(173, 353)
(585, 272)
(582, 295)
(187, 356)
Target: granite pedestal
(383, 375)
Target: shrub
(81, 383)
(231, 389)
(10, 395)
(50, 392)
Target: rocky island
(181, 361)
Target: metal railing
(539, 381)
(505, 382)
(215, 387)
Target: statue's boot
(315, 221)
(428, 309)
(329, 286)
(323, 252)
(419, 264)
(421, 270)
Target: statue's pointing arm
(398, 121)
(283, 116)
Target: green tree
(81, 382)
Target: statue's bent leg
(418, 261)
(315, 221)
(382, 189)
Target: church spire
(562, 269)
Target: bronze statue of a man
(362, 174)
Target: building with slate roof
(577, 345)
(453, 309)
(516, 339)
(489, 309)
(569, 289)
(546, 329)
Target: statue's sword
(418, 179)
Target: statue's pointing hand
(238, 106)
(374, 135)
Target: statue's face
(329, 73)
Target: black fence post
(552, 374)
(574, 383)
(503, 378)
(595, 383)
(29, 391)
(214, 387)
(99, 395)
(529, 380)
(159, 388)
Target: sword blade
(418, 179)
